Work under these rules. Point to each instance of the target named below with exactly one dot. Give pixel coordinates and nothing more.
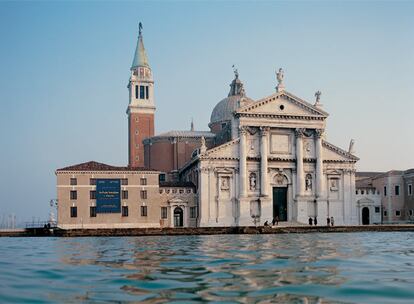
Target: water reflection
(298, 268)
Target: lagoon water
(289, 268)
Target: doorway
(178, 217)
(365, 216)
(280, 203)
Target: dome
(223, 111)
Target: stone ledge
(203, 230)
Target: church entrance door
(280, 203)
(178, 217)
(365, 216)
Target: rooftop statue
(318, 97)
(280, 75)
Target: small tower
(141, 106)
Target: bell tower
(141, 106)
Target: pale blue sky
(65, 67)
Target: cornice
(106, 172)
(334, 148)
(281, 116)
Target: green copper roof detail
(140, 57)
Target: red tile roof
(95, 166)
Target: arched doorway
(365, 216)
(178, 217)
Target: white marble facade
(278, 162)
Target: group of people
(275, 221)
(314, 221)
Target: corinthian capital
(242, 130)
(319, 133)
(264, 131)
(299, 132)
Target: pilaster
(243, 162)
(264, 131)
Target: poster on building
(108, 195)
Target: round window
(282, 107)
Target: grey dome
(223, 111)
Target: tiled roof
(95, 166)
(177, 184)
(186, 134)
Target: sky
(64, 68)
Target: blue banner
(108, 195)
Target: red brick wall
(165, 155)
(144, 124)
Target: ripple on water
(308, 268)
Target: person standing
(315, 221)
(332, 221)
(328, 221)
(310, 221)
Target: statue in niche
(308, 182)
(333, 184)
(252, 181)
(225, 183)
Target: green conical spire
(140, 57)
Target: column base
(321, 211)
(302, 209)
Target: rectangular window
(385, 191)
(124, 194)
(193, 213)
(73, 181)
(410, 189)
(397, 213)
(73, 195)
(124, 210)
(161, 177)
(143, 194)
(397, 190)
(92, 195)
(124, 181)
(385, 213)
(143, 181)
(141, 92)
(163, 212)
(377, 209)
(146, 92)
(136, 92)
(92, 211)
(144, 211)
(92, 181)
(410, 212)
(73, 211)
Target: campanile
(141, 106)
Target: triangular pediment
(283, 103)
(333, 153)
(228, 150)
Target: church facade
(276, 164)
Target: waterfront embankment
(30, 232)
